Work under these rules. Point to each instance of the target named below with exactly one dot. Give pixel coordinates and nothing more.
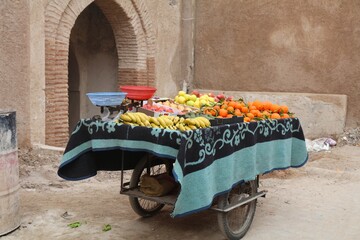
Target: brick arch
(135, 43)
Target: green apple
(193, 97)
(181, 99)
(190, 103)
(181, 93)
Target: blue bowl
(107, 98)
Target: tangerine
(237, 112)
(284, 109)
(230, 109)
(244, 109)
(223, 112)
(275, 116)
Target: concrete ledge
(47, 147)
(321, 115)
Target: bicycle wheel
(151, 166)
(235, 223)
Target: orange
(230, 109)
(285, 115)
(267, 105)
(265, 113)
(232, 104)
(244, 110)
(275, 116)
(216, 107)
(237, 112)
(284, 109)
(229, 115)
(250, 115)
(255, 112)
(252, 107)
(224, 106)
(258, 105)
(223, 112)
(247, 119)
(238, 105)
(275, 108)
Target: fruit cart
(214, 168)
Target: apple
(193, 97)
(211, 95)
(190, 103)
(229, 98)
(196, 93)
(181, 93)
(181, 100)
(221, 97)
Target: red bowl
(138, 92)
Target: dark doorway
(93, 62)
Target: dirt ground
(318, 201)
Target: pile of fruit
(195, 99)
(164, 122)
(193, 111)
(251, 111)
(168, 106)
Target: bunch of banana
(164, 122)
(136, 119)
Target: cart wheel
(235, 223)
(144, 207)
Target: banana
(181, 127)
(168, 121)
(132, 116)
(189, 121)
(143, 116)
(154, 125)
(147, 123)
(138, 119)
(154, 120)
(176, 120)
(162, 122)
(197, 123)
(125, 118)
(205, 121)
(182, 120)
(192, 127)
(201, 123)
(187, 128)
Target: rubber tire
(134, 182)
(245, 222)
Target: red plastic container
(138, 92)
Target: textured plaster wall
(37, 72)
(280, 46)
(14, 64)
(166, 20)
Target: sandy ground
(318, 201)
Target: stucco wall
(280, 46)
(14, 64)
(166, 20)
